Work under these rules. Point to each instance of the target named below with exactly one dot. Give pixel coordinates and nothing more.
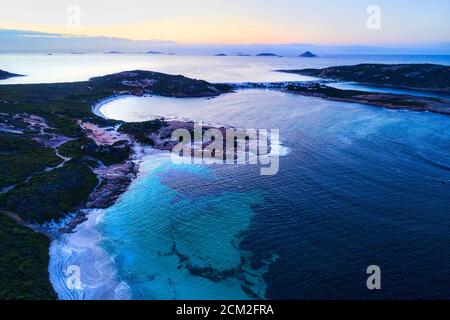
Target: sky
(320, 22)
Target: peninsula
(427, 77)
(5, 75)
(58, 157)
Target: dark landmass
(385, 100)
(148, 82)
(154, 52)
(221, 55)
(265, 54)
(57, 157)
(5, 75)
(308, 54)
(52, 195)
(23, 263)
(427, 77)
(114, 52)
(319, 89)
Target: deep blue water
(360, 186)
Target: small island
(153, 52)
(308, 54)
(267, 54)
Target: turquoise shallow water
(167, 245)
(361, 185)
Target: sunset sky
(238, 21)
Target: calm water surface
(359, 186)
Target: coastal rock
(116, 179)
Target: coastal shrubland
(51, 195)
(429, 77)
(20, 157)
(386, 100)
(48, 187)
(85, 148)
(23, 263)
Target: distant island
(221, 55)
(114, 52)
(154, 52)
(308, 54)
(266, 54)
(426, 77)
(5, 75)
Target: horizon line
(387, 45)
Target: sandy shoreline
(96, 107)
(76, 242)
(80, 269)
(76, 245)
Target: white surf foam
(80, 269)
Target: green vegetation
(429, 77)
(23, 263)
(82, 148)
(147, 126)
(387, 100)
(51, 195)
(20, 157)
(63, 105)
(141, 130)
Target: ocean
(357, 186)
